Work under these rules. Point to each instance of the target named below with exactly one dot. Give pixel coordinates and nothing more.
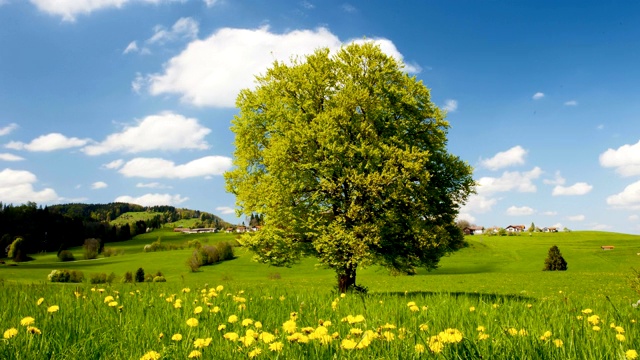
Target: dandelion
(178, 304)
(587, 311)
(231, 336)
(8, 334)
(619, 329)
(197, 310)
(151, 355)
(281, 298)
(255, 352)
(355, 331)
(483, 336)
(247, 322)
(257, 325)
(343, 295)
(512, 331)
(620, 337)
(495, 306)
(558, 343)
(388, 336)
(195, 354)
(529, 306)
(247, 340)
(161, 336)
(523, 332)
(232, 319)
(176, 337)
(39, 302)
(424, 327)
(219, 288)
(193, 322)
(419, 348)
(33, 330)
(579, 317)
(411, 303)
(186, 290)
(435, 345)
(53, 308)
(222, 327)
(276, 346)
(348, 344)
(108, 299)
(479, 328)
(472, 309)
(631, 354)
(267, 337)
(595, 328)
(113, 304)
(289, 326)
(242, 307)
(414, 308)
(27, 321)
(594, 319)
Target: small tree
(91, 248)
(532, 228)
(555, 261)
(140, 275)
(17, 251)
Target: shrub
(108, 252)
(128, 277)
(193, 262)
(148, 278)
(66, 276)
(140, 275)
(91, 248)
(111, 277)
(554, 260)
(159, 279)
(226, 251)
(98, 278)
(17, 250)
(66, 255)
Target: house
(473, 230)
(550, 229)
(515, 228)
(241, 229)
(229, 230)
(493, 229)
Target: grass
(132, 217)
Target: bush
(98, 278)
(91, 248)
(108, 252)
(159, 279)
(128, 277)
(140, 275)
(66, 276)
(193, 262)
(554, 261)
(66, 255)
(17, 250)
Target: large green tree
(345, 157)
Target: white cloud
(166, 131)
(450, 105)
(153, 199)
(115, 164)
(154, 168)
(478, 204)
(211, 3)
(629, 198)
(579, 188)
(99, 185)
(537, 96)
(576, 218)
(550, 213)
(138, 83)
(513, 156)
(153, 185)
(557, 180)
(634, 217)
(626, 159)
(509, 181)
(132, 47)
(69, 9)
(49, 142)
(571, 103)
(184, 28)
(225, 210)
(519, 211)
(211, 72)
(10, 157)
(8, 129)
(466, 216)
(16, 187)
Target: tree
(462, 224)
(554, 260)
(344, 157)
(532, 228)
(17, 250)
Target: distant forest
(58, 227)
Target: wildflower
(523, 332)
(343, 295)
(39, 302)
(414, 308)
(348, 344)
(178, 304)
(77, 294)
(479, 328)
(257, 325)
(215, 309)
(267, 337)
(411, 303)
(388, 326)
(298, 337)
(151, 355)
(219, 288)
(419, 348)
(231, 336)
(161, 336)
(176, 337)
(472, 309)
(495, 306)
(529, 306)
(34, 330)
(197, 310)
(587, 311)
(620, 337)
(247, 322)
(579, 317)
(558, 343)
(27, 321)
(619, 329)
(512, 331)
(450, 336)
(195, 354)
(281, 298)
(108, 299)
(255, 352)
(100, 291)
(595, 328)
(186, 290)
(631, 354)
(193, 322)
(435, 345)
(276, 346)
(547, 334)
(242, 307)
(355, 331)
(247, 340)
(594, 319)
(222, 327)
(53, 308)
(483, 336)
(113, 304)
(232, 319)
(289, 326)
(334, 305)
(10, 333)
(423, 327)
(388, 336)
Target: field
(490, 300)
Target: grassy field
(495, 285)
(133, 216)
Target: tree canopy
(344, 155)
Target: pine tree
(554, 260)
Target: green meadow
(489, 300)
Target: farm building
(473, 230)
(515, 228)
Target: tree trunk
(346, 279)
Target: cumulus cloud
(450, 105)
(557, 180)
(212, 71)
(16, 187)
(184, 28)
(576, 218)
(519, 211)
(115, 164)
(466, 216)
(8, 129)
(537, 96)
(99, 185)
(166, 131)
(478, 204)
(225, 210)
(579, 188)
(10, 157)
(625, 159)
(132, 47)
(571, 103)
(153, 185)
(509, 181)
(70, 9)
(49, 142)
(154, 168)
(513, 156)
(629, 198)
(153, 199)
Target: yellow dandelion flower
(113, 304)
(419, 348)
(356, 331)
(472, 309)
(523, 332)
(247, 322)
(411, 303)
(33, 330)
(547, 334)
(242, 307)
(231, 336)
(222, 327)
(512, 331)
(195, 354)
(8, 334)
(435, 345)
(587, 311)
(219, 288)
(39, 302)
(495, 306)
(255, 352)
(100, 291)
(481, 328)
(558, 343)
(343, 295)
(325, 339)
(579, 317)
(276, 346)
(53, 308)
(334, 305)
(176, 337)
(186, 290)
(483, 336)
(529, 306)
(595, 328)
(267, 337)
(348, 344)
(307, 330)
(631, 354)
(161, 336)
(177, 304)
(77, 294)
(257, 325)
(423, 327)
(281, 298)
(151, 355)
(199, 343)
(298, 337)
(108, 299)
(620, 337)
(425, 308)
(388, 336)
(247, 340)
(594, 319)
(27, 321)
(197, 310)
(414, 308)
(289, 326)
(619, 329)
(612, 325)
(193, 322)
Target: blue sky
(131, 100)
